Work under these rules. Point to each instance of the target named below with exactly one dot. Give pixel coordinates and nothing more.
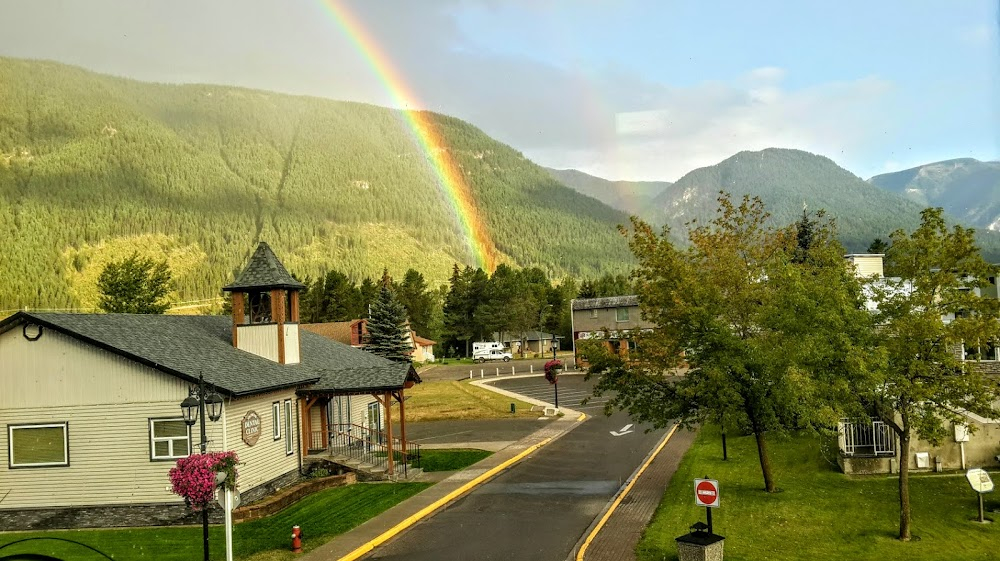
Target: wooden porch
(373, 450)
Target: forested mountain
(632, 197)
(786, 180)
(93, 167)
(965, 188)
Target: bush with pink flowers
(194, 476)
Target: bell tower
(265, 300)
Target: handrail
(367, 446)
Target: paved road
(539, 509)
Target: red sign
(706, 492)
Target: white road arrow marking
(624, 430)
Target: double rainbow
(450, 178)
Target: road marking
(625, 491)
(427, 510)
(627, 429)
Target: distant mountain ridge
(788, 180)
(632, 197)
(964, 187)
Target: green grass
(821, 514)
(449, 399)
(321, 516)
(450, 460)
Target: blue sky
(622, 89)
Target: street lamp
(193, 409)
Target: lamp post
(193, 410)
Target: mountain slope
(632, 197)
(965, 188)
(788, 179)
(93, 167)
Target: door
(375, 421)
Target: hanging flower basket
(552, 370)
(194, 477)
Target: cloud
(980, 35)
(610, 120)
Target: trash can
(700, 545)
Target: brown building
(611, 319)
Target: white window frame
(593, 313)
(618, 314)
(12, 464)
(289, 449)
(153, 439)
(276, 419)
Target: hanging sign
(250, 427)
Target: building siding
(266, 460)
(261, 340)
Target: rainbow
(450, 178)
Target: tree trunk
(904, 482)
(765, 462)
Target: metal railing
(866, 439)
(366, 446)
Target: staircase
(366, 452)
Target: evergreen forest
(94, 168)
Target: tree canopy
(135, 285)
(930, 318)
(764, 328)
(388, 329)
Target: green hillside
(92, 167)
(632, 197)
(788, 179)
(964, 187)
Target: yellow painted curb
(413, 519)
(582, 417)
(614, 505)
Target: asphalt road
(541, 507)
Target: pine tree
(387, 325)
(136, 285)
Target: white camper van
(490, 350)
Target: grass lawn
(822, 514)
(449, 399)
(321, 516)
(450, 459)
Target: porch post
(388, 430)
(402, 424)
(306, 429)
(325, 422)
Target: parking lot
(573, 389)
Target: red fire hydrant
(296, 539)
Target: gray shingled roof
(185, 346)
(606, 302)
(264, 271)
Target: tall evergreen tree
(419, 302)
(387, 325)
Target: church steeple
(265, 299)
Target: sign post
(706, 494)
(981, 483)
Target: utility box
(700, 546)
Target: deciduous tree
(924, 318)
(135, 285)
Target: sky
(623, 89)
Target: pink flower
(194, 476)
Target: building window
(621, 314)
(169, 439)
(987, 351)
(258, 307)
(288, 427)
(44, 445)
(276, 419)
(593, 313)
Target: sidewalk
(361, 540)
